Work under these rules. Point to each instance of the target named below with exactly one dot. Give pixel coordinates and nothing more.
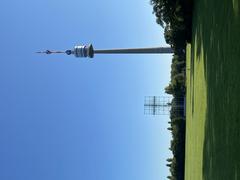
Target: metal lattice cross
(157, 105)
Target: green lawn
(213, 92)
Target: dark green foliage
(169, 165)
(178, 68)
(175, 16)
(177, 89)
(178, 149)
(170, 129)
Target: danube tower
(89, 51)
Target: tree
(169, 89)
(169, 128)
(169, 165)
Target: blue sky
(65, 118)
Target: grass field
(213, 92)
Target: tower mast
(89, 51)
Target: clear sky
(63, 118)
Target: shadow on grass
(217, 33)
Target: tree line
(175, 16)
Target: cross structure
(156, 105)
(163, 105)
(88, 51)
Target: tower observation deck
(88, 51)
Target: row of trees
(177, 122)
(177, 117)
(175, 16)
(176, 163)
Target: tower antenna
(50, 52)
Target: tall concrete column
(89, 51)
(153, 50)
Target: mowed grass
(213, 92)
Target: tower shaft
(153, 50)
